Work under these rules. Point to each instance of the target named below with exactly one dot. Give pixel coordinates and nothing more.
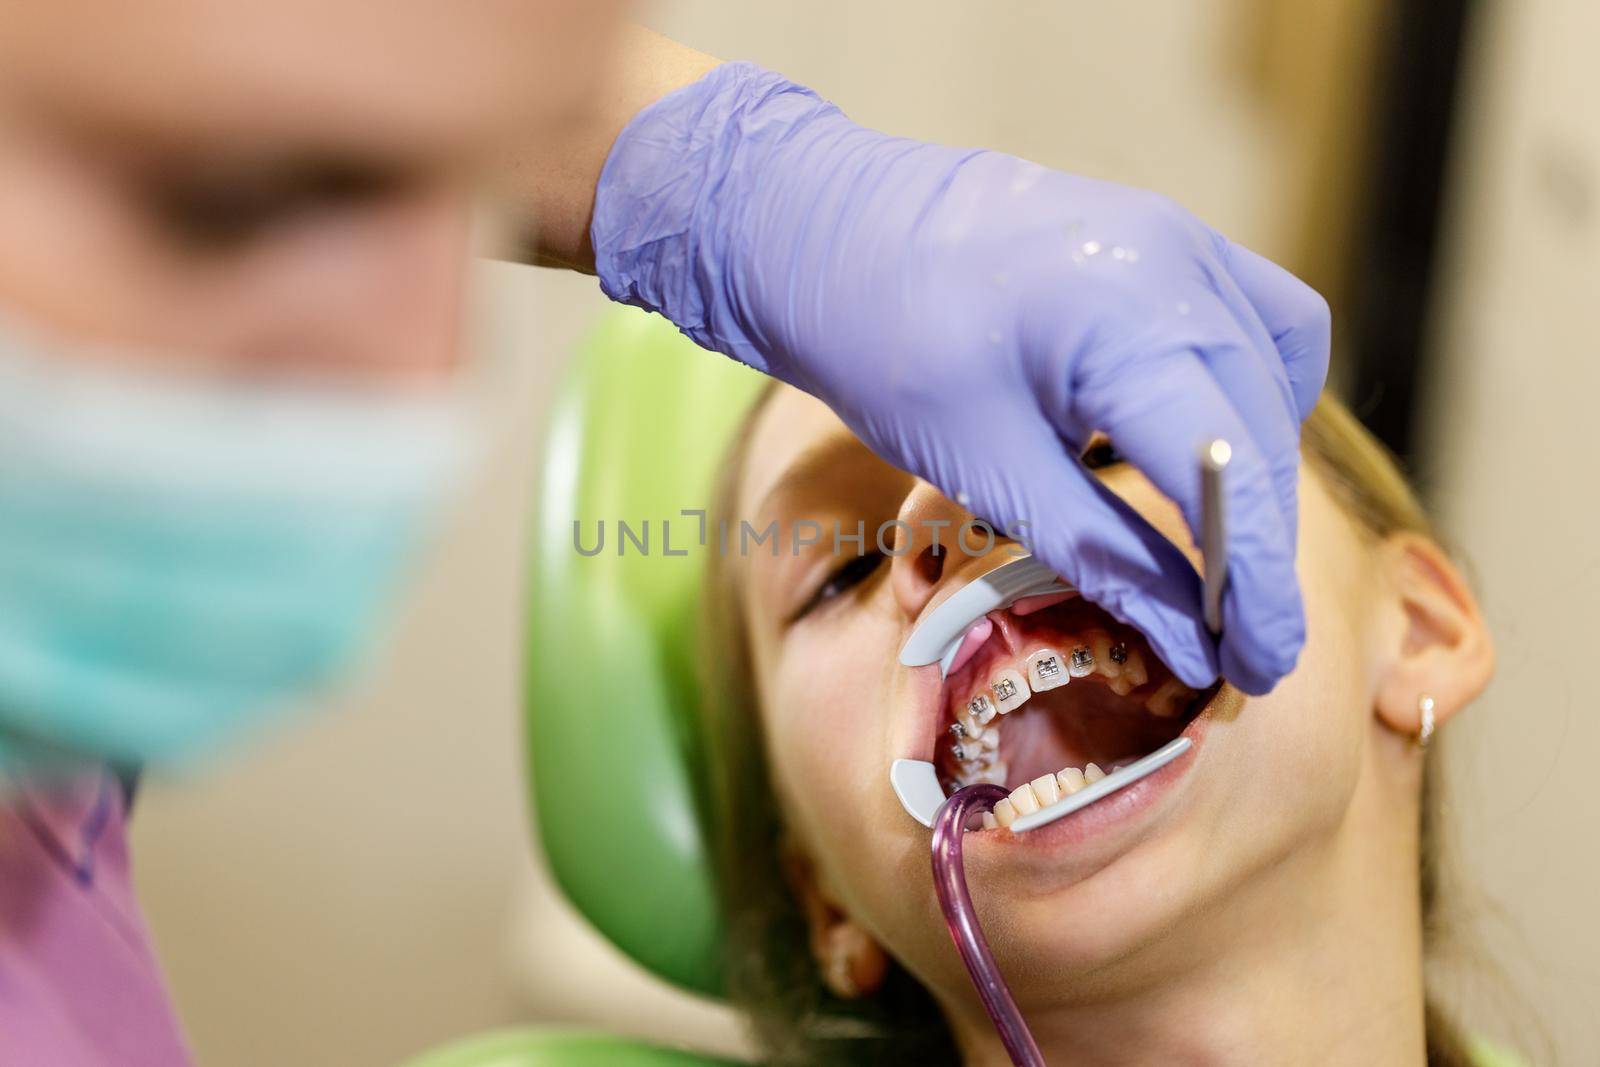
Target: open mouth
(1044, 695)
(1051, 695)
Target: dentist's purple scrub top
(79, 984)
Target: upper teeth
(1010, 689)
(1049, 668)
(1169, 698)
(977, 734)
(1081, 664)
(1046, 671)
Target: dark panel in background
(1394, 261)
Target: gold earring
(1425, 730)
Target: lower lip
(1110, 825)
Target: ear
(1438, 645)
(852, 963)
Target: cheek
(70, 257)
(820, 708)
(1302, 744)
(826, 705)
(1322, 711)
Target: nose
(937, 542)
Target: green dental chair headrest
(637, 435)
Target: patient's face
(268, 181)
(1136, 886)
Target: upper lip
(1005, 630)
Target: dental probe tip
(1215, 456)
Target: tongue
(1076, 725)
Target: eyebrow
(817, 461)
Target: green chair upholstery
(534, 1047)
(637, 435)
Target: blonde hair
(771, 974)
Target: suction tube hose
(950, 880)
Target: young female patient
(1265, 899)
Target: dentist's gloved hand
(975, 318)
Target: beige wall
(1517, 360)
(361, 887)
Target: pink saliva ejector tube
(950, 880)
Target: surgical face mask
(182, 558)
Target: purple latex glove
(974, 318)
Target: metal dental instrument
(1215, 455)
